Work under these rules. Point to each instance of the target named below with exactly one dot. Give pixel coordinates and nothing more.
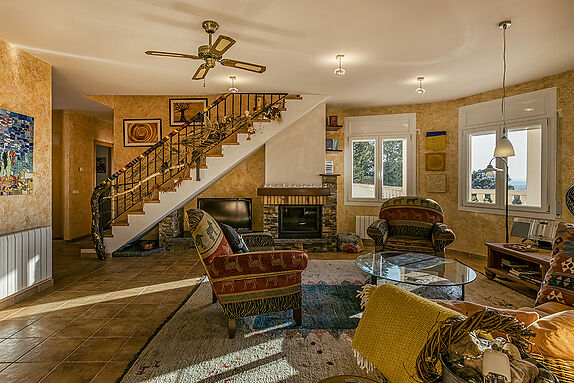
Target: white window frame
(533, 108)
(379, 128)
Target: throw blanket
(393, 330)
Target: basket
(454, 329)
(563, 369)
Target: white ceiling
(97, 46)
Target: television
(235, 212)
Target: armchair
(250, 283)
(411, 224)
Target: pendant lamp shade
(504, 148)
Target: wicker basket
(563, 369)
(455, 328)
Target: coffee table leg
(373, 280)
(462, 299)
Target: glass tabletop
(416, 269)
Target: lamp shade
(504, 148)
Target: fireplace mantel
(286, 191)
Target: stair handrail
(201, 141)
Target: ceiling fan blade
(171, 54)
(221, 45)
(243, 65)
(201, 72)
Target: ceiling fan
(212, 53)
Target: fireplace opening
(300, 221)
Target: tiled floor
(99, 314)
(96, 317)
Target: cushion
(414, 244)
(555, 335)
(469, 308)
(234, 239)
(349, 243)
(394, 329)
(207, 236)
(558, 284)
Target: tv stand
(537, 260)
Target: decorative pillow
(349, 243)
(469, 308)
(558, 285)
(555, 335)
(234, 239)
(207, 236)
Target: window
(379, 158)
(531, 125)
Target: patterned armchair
(411, 224)
(251, 283)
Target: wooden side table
(497, 252)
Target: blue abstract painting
(16, 153)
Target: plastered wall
(472, 229)
(26, 88)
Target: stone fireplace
(302, 218)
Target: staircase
(186, 162)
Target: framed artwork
(183, 109)
(435, 161)
(436, 183)
(333, 121)
(145, 132)
(436, 140)
(16, 153)
(101, 165)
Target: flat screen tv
(235, 212)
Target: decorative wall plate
(570, 199)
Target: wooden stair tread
(108, 234)
(293, 97)
(214, 155)
(120, 223)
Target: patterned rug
(193, 345)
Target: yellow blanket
(393, 330)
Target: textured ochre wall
(472, 229)
(77, 134)
(241, 182)
(26, 87)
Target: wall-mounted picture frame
(435, 161)
(333, 121)
(183, 109)
(142, 132)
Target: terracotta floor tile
(103, 310)
(130, 348)
(151, 298)
(81, 328)
(25, 372)
(134, 310)
(4, 365)
(42, 328)
(111, 372)
(52, 350)
(69, 311)
(74, 372)
(12, 349)
(119, 327)
(97, 350)
(9, 327)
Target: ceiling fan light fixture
(340, 71)
(233, 89)
(420, 89)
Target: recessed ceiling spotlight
(420, 89)
(339, 71)
(233, 89)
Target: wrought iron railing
(166, 164)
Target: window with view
(531, 129)
(380, 164)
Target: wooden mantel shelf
(293, 191)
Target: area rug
(193, 345)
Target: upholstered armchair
(251, 283)
(411, 224)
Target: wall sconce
(340, 71)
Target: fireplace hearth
(300, 221)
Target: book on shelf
(512, 262)
(329, 144)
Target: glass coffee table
(416, 269)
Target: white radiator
(362, 223)
(25, 259)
